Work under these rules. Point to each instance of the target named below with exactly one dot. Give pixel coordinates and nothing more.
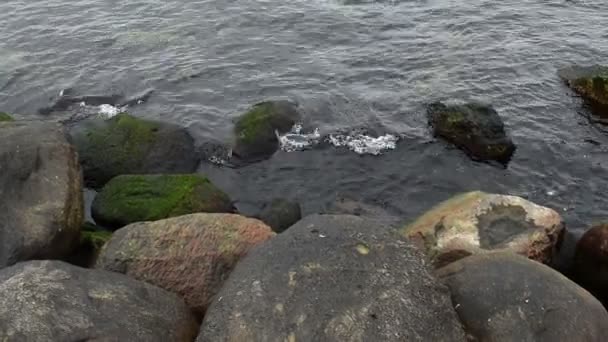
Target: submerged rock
(256, 131)
(281, 214)
(591, 83)
(41, 205)
(55, 301)
(135, 198)
(477, 222)
(505, 297)
(332, 278)
(5, 117)
(475, 128)
(128, 145)
(189, 255)
(590, 268)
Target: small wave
(364, 144)
(296, 140)
(108, 111)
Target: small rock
(591, 83)
(128, 145)
(55, 301)
(281, 214)
(590, 267)
(332, 278)
(189, 255)
(477, 129)
(256, 131)
(506, 297)
(135, 198)
(41, 201)
(477, 222)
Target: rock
(256, 131)
(55, 301)
(281, 214)
(40, 193)
(590, 267)
(5, 117)
(135, 198)
(505, 297)
(332, 278)
(591, 83)
(478, 222)
(189, 255)
(92, 239)
(128, 145)
(475, 128)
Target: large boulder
(477, 222)
(5, 117)
(256, 131)
(591, 83)
(590, 267)
(190, 255)
(135, 198)
(475, 128)
(55, 301)
(506, 297)
(127, 145)
(281, 214)
(40, 192)
(332, 278)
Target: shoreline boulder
(591, 83)
(506, 297)
(125, 144)
(590, 267)
(256, 131)
(189, 255)
(41, 200)
(333, 278)
(280, 214)
(478, 222)
(134, 198)
(55, 301)
(476, 129)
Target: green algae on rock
(475, 128)
(478, 222)
(128, 145)
(256, 131)
(92, 239)
(591, 83)
(5, 117)
(134, 198)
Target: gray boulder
(506, 297)
(55, 301)
(281, 214)
(333, 278)
(41, 205)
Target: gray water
(350, 64)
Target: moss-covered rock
(134, 198)
(475, 128)
(5, 117)
(128, 145)
(256, 130)
(591, 83)
(92, 238)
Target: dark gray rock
(128, 145)
(475, 128)
(333, 278)
(41, 205)
(343, 205)
(590, 268)
(55, 301)
(507, 297)
(591, 83)
(281, 214)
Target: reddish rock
(189, 255)
(591, 261)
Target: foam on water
(108, 111)
(364, 144)
(297, 140)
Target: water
(351, 65)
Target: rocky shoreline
(169, 258)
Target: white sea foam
(108, 111)
(296, 140)
(364, 144)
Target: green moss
(5, 117)
(593, 88)
(95, 239)
(256, 122)
(133, 198)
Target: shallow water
(350, 64)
